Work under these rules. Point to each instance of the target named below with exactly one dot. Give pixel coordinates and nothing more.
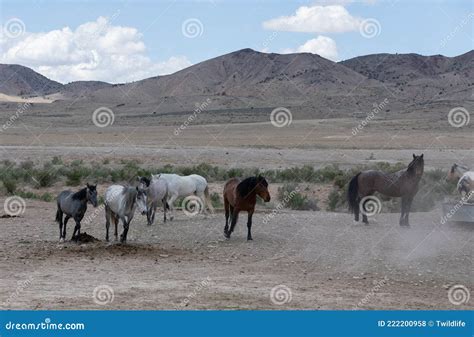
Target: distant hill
(22, 81)
(248, 83)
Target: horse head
(92, 194)
(417, 165)
(141, 200)
(261, 188)
(143, 182)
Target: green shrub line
(15, 176)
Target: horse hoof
(227, 235)
(249, 239)
(61, 240)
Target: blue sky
(424, 27)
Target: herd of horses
(239, 195)
(122, 201)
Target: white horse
(156, 191)
(465, 179)
(185, 186)
(120, 203)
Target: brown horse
(241, 195)
(402, 184)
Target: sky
(123, 41)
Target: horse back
(230, 188)
(67, 204)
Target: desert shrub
(75, 174)
(46, 197)
(9, 183)
(45, 176)
(336, 199)
(57, 160)
(290, 197)
(216, 200)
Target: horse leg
(406, 205)
(59, 217)
(154, 212)
(107, 223)
(235, 216)
(148, 215)
(164, 208)
(227, 213)
(364, 216)
(66, 219)
(126, 224)
(77, 229)
(402, 212)
(204, 203)
(116, 221)
(357, 210)
(249, 225)
(171, 201)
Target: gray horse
(74, 205)
(156, 191)
(120, 203)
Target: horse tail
(353, 193)
(59, 214)
(208, 199)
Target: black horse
(403, 184)
(74, 205)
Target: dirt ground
(325, 260)
(311, 260)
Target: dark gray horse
(402, 184)
(74, 205)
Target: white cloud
(322, 45)
(93, 51)
(316, 19)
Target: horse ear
(414, 156)
(88, 186)
(421, 156)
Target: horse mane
(145, 180)
(80, 195)
(130, 193)
(246, 186)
